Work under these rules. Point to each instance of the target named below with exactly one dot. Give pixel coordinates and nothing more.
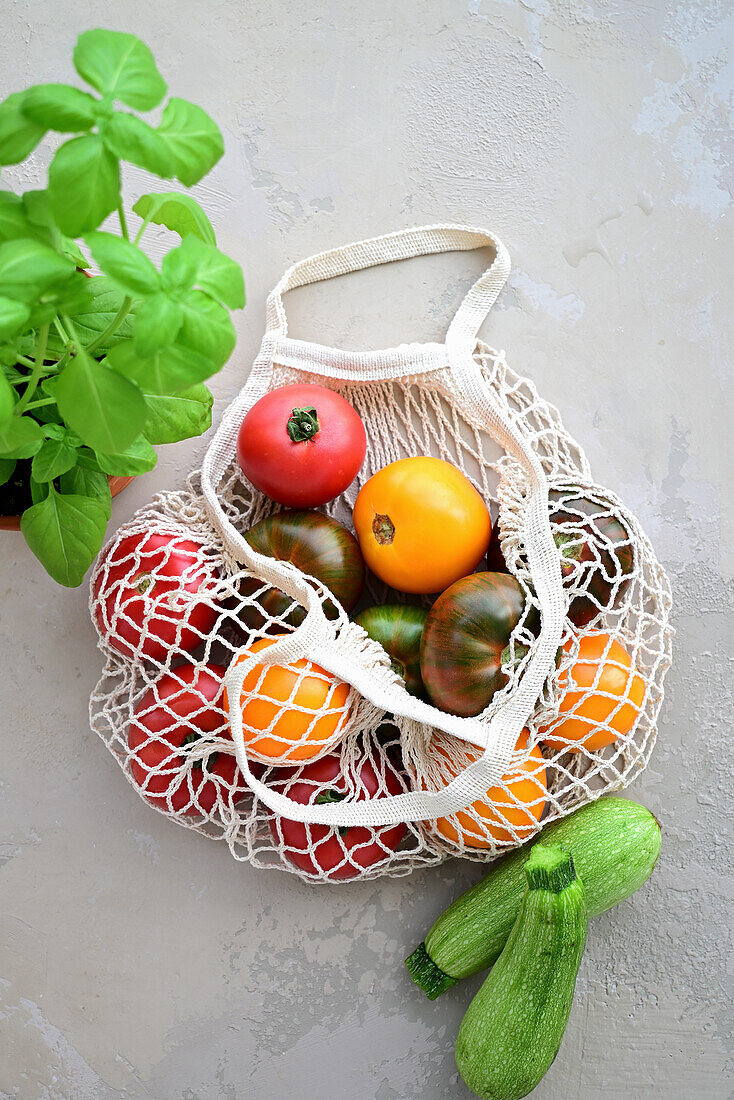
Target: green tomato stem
(36, 372)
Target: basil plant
(95, 371)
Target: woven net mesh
(174, 611)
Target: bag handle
(404, 244)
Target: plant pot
(12, 523)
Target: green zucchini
(615, 845)
(514, 1027)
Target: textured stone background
(137, 961)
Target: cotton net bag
(178, 598)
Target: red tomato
(319, 849)
(301, 445)
(139, 588)
(182, 707)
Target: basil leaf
(172, 369)
(18, 135)
(95, 317)
(71, 249)
(84, 184)
(193, 138)
(179, 213)
(12, 316)
(87, 480)
(39, 489)
(7, 399)
(65, 533)
(121, 66)
(207, 328)
(125, 264)
(178, 269)
(7, 468)
(13, 220)
(157, 322)
(28, 268)
(216, 273)
(54, 458)
(60, 107)
(131, 139)
(105, 410)
(180, 416)
(20, 437)
(138, 458)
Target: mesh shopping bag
(278, 725)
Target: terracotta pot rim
(117, 484)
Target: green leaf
(178, 269)
(39, 489)
(106, 410)
(157, 322)
(20, 437)
(216, 273)
(84, 184)
(125, 264)
(65, 533)
(29, 268)
(207, 328)
(7, 468)
(193, 139)
(54, 458)
(13, 315)
(179, 213)
(95, 317)
(170, 370)
(7, 399)
(131, 139)
(121, 66)
(87, 479)
(19, 136)
(180, 416)
(60, 107)
(13, 220)
(138, 458)
(71, 249)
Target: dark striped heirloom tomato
(594, 548)
(319, 547)
(398, 628)
(466, 632)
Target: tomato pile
(456, 627)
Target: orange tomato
(421, 524)
(602, 689)
(490, 819)
(274, 731)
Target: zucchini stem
(424, 972)
(549, 867)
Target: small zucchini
(514, 1027)
(615, 845)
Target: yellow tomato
(491, 820)
(290, 713)
(421, 525)
(603, 699)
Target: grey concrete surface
(137, 961)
